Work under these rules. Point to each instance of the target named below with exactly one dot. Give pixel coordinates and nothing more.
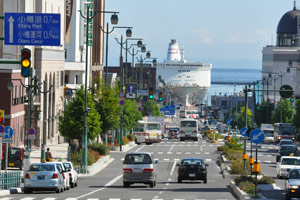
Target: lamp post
(114, 20)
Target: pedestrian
(48, 155)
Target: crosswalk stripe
(170, 153)
(160, 153)
(28, 198)
(178, 153)
(166, 159)
(188, 153)
(6, 198)
(208, 160)
(206, 153)
(71, 199)
(50, 198)
(114, 199)
(176, 159)
(135, 199)
(92, 199)
(197, 153)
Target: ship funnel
(173, 52)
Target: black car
(15, 157)
(292, 184)
(192, 169)
(287, 150)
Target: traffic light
(258, 106)
(25, 62)
(292, 99)
(151, 94)
(160, 98)
(1, 116)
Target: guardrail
(10, 179)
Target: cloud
(251, 37)
(204, 35)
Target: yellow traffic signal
(25, 62)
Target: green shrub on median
(131, 137)
(93, 157)
(101, 148)
(217, 136)
(247, 183)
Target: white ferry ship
(187, 83)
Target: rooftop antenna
(295, 4)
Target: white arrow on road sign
(11, 29)
(130, 88)
(256, 137)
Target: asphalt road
(107, 184)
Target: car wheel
(62, 190)
(65, 188)
(278, 176)
(179, 180)
(76, 183)
(57, 190)
(72, 185)
(152, 184)
(126, 184)
(205, 180)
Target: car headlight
(293, 186)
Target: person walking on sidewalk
(48, 155)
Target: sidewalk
(59, 153)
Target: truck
(268, 129)
(284, 131)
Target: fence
(10, 179)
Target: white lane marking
(169, 179)
(206, 153)
(71, 199)
(157, 199)
(198, 153)
(200, 199)
(104, 187)
(122, 159)
(181, 145)
(6, 198)
(268, 161)
(178, 153)
(135, 199)
(189, 142)
(188, 145)
(178, 199)
(50, 198)
(188, 153)
(208, 160)
(269, 155)
(113, 199)
(195, 145)
(160, 192)
(176, 159)
(170, 153)
(167, 184)
(204, 145)
(160, 153)
(211, 145)
(28, 198)
(87, 199)
(173, 168)
(166, 159)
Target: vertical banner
(69, 13)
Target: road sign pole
(6, 157)
(245, 138)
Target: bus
(188, 130)
(284, 131)
(191, 114)
(147, 132)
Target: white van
(188, 130)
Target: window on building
(66, 79)
(62, 78)
(76, 79)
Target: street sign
(6, 141)
(243, 131)
(286, 91)
(31, 137)
(139, 109)
(168, 109)
(121, 95)
(214, 122)
(31, 131)
(257, 136)
(2, 128)
(228, 121)
(8, 132)
(32, 29)
(122, 102)
(131, 91)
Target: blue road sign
(131, 91)
(139, 109)
(2, 128)
(214, 122)
(169, 110)
(31, 131)
(257, 136)
(228, 121)
(243, 131)
(8, 132)
(32, 29)
(122, 102)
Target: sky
(226, 33)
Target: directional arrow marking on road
(11, 29)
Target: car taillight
(27, 176)
(148, 170)
(70, 174)
(55, 175)
(21, 154)
(181, 131)
(63, 174)
(194, 131)
(127, 170)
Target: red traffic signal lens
(25, 53)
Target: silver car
(139, 167)
(43, 176)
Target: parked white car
(61, 167)
(285, 164)
(72, 173)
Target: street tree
(263, 113)
(151, 109)
(241, 117)
(297, 115)
(71, 123)
(286, 111)
(131, 114)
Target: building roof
(288, 22)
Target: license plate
(41, 177)
(137, 170)
(11, 164)
(152, 134)
(192, 175)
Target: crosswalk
(54, 198)
(173, 160)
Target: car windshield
(294, 174)
(192, 162)
(286, 142)
(153, 126)
(67, 165)
(14, 151)
(137, 159)
(290, 161)
(287, 149)
(41, 168)
(286, 130)
(188, 124)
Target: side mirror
(69, 170)
(206, 165)
(156, 162)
